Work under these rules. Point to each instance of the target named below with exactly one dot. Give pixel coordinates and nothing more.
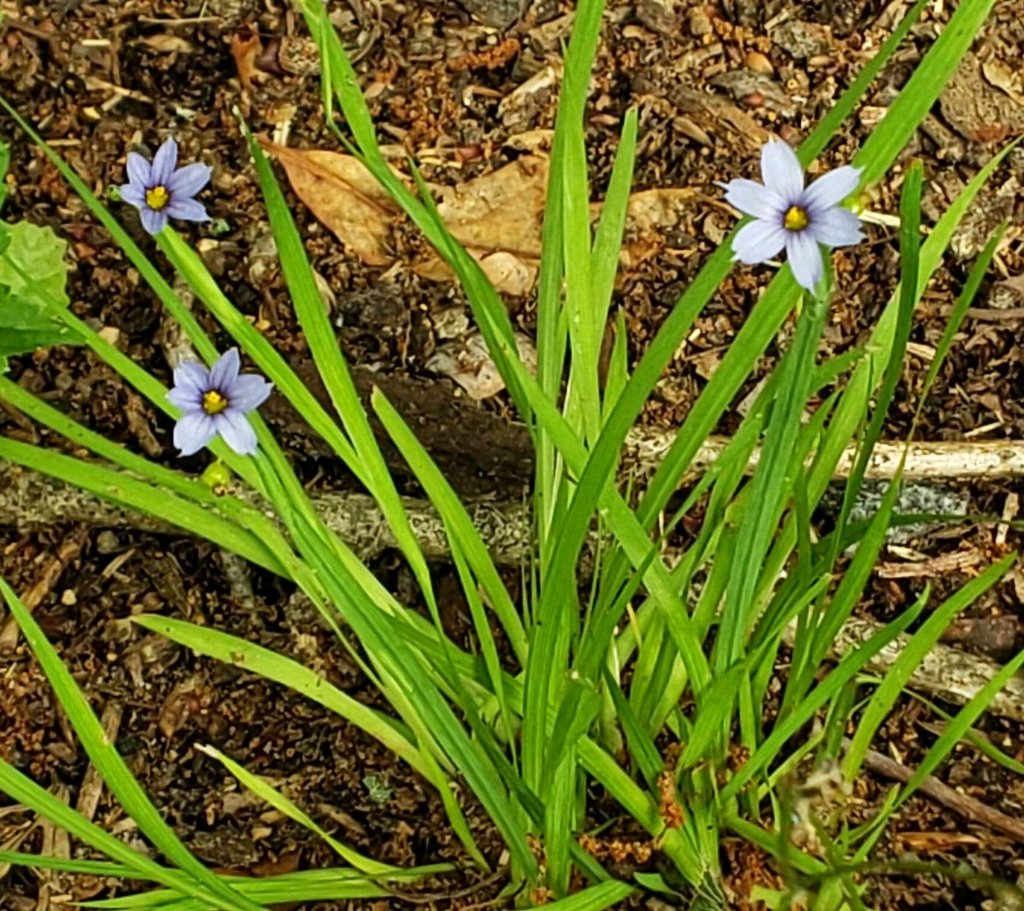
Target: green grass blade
(771, 486)
(608, 894)
(333, 370)
(458, 524)
(977, 739)
(301, 886)
(618, 363)
(644, 809)
(280, 669)
(848, 667)
(610, 227)
(583, 401)
(66, 865)
(959, 313)
(917, 648)
(812, 646)
(37, 409)
(640, 743)
(961, 723)
(138, 496)
(351, 584)
(109, 763)
(266, 792)
(910, 250)
(139, 866)
(560, 821)
(276, 667)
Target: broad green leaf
(32, 262)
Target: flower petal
(781, 171)
(836, 227)
(187, 398)
(153, 221)
(164, 162)
(804, 258)
(237, 432)
(193, 432)
(224, 373)
(754, 199)
(248, 392)
(189, 180)
(831, 189)
(193, 376)
(138, 170)
(133, 193)
(759, 241)
(186, 209)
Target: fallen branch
(968, 807)
(29, 499)
(960, 460)
(946, 673)
(32, 500)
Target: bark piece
(969, 808)
(947, 673)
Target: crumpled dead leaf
(1005, 78)
(245, 48)
(1014, 283)
(469, 363)
(498, 217)
(976, 108)
(649, 215)
(344, 196)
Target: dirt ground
(466, 88)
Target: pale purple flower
(787, 214)
(161, 190)
(215, 401)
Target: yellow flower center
(157, 197)
(796, 219)
(214, 402)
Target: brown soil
(99, 78)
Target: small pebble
(700, 22)
(106, 542)
(110, 334)
(68, 597)
(758, 62)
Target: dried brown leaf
(1014, 283)
(245, 48)
(344, 196)
(498, 217)
(1004, 77)
(503, 210)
